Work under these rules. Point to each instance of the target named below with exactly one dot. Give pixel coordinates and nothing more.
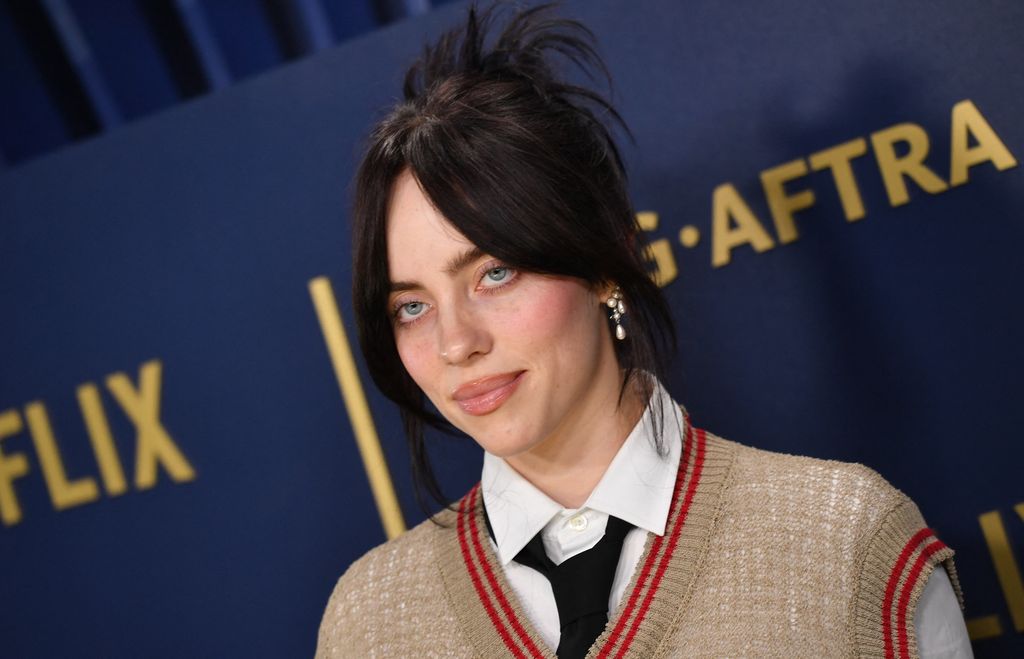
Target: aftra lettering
(733, 223)
(154, 446)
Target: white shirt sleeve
(940, 626)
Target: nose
(461, 335)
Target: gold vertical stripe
(1006, 565)
(984, 627)
(355, 403)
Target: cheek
(416, 356)
(557, 313)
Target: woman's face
(514, 359)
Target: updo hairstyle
(522, 162)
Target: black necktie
(582, 585)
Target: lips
(487, 394)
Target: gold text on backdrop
(734, 224)
(154, 446)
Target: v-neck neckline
(492, 617)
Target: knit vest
(764, 555)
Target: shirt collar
(637, 486)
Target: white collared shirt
(637, 487)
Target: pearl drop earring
(618, 308)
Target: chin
(504, 448)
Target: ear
(604, 290)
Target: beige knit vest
(764, 555)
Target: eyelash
(487, 290)
(511, 273)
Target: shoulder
(813, 477)
(827, 491)
(836, 494)
(408, 553)
(377, 594)
(846, 516)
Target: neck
(568, 466)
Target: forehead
(419, 238)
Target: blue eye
(497, 275)
(410, 311)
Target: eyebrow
(454, 265)
(460, 261)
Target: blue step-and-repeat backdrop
(189, 456)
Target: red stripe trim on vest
(667, 556)
(655, 548)
(475, 578)
(901, 611)
(498, 593)
(890, 587)
(673, 541)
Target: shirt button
(578, 522)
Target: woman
(498, 274)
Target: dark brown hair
(522, 163)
